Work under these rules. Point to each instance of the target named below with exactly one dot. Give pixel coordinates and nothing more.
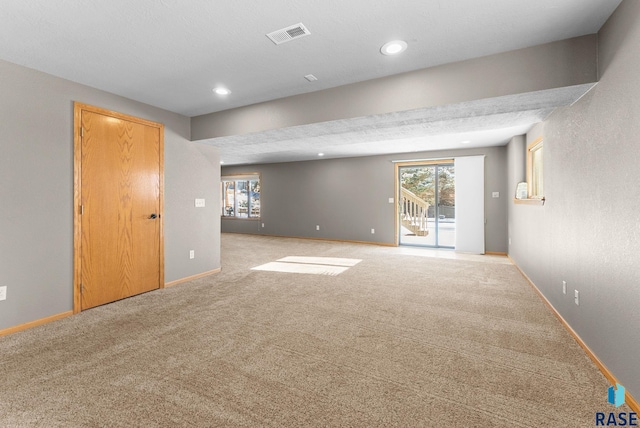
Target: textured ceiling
(488, 122)
(171, 53)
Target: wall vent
(287, 34)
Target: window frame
(236, 178)
(534, 181)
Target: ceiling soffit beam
(552, 65)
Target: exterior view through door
(427, 205)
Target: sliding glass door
(427, 205)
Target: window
(241, 196)
(534, 170)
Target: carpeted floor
(396, 340)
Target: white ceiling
(172, 53)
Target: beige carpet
(396, 340)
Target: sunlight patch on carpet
(309, 265)
(332, 261)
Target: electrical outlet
(262, 224)
(317, 227)
(192, 254)
(495, 194)
(577, 297)
(3, 292)
(199, 203)
(564, 287)
(391, 200)
(373, 231)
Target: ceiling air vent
(290, 33)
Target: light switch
(391, 200)
(199, 203)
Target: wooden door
(120, 180)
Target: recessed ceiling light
(465, 142)
(393, 48)
(221, 162)
(222, 91)
(320, 154)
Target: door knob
(153, 216)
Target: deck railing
(413, 212)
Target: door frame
(399, 165)
(78, 108)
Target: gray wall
(552, 65)
(348, 197)
(36, 192)
(191, 171)
(588, 231)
